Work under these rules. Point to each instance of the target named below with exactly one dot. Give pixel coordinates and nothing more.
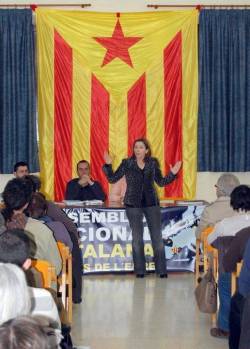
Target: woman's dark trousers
(153, 218)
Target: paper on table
(73, 202)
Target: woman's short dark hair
(15, 247)
(146, 143)
(240, 198)
(23, 332)
(38, 206)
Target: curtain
(224, 84)
(18, 136)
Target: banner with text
(106, 239)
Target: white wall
(206, 180)
(205, 183)
(127, 5)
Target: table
(105, 238)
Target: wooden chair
(198, 262)
(65, 280)
(210, 256)
(47, 271)
(200, 257)
(208, 250)
(234, 277)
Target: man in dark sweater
(239, 337)
(84, 188)
(236, 250)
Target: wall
(126, 5)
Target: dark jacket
(57, 214)
(75, 191)
(138, 181)
(236, 250)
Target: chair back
(65, 281)
(47, 271)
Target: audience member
(23, 332)
(15, 249)
(37, 209)
(240, 202)
(21, 169)
(228, 227)
(236, 250)
(14, 293)
(240, 307)
(57, 214)
(17, 195)
(220, 208)
(83, 187)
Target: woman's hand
(176, 168)
(107, 158)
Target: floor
(122, 312)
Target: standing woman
(141, 171)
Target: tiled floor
(122, 312)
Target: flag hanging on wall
(106, 79)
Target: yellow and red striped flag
(106, 79)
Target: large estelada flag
(106, 79)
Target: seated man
(83, 187)
(21, 169)
(220, 208)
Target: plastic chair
(210, 260)
(47, 271)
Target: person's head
(35, 181)
(226, 184)
(21, 169)
(240, 198)
(15, 248)
(38, 206)
(17, 194)
(83, 168)
(14, 293)
(23, 332)
(141, 148)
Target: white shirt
(42, 303)
(229, 226)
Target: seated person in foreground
(84, 188)
(57, 214)
(17, 195)
(240, 202)
(15, 249)
(220, 208)
(16, 300)
(239, 337)
(229, 227)
(25, 332)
